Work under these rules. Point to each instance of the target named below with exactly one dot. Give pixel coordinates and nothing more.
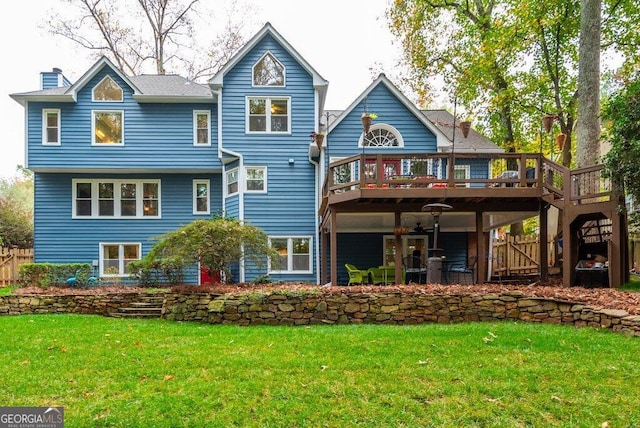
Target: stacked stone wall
(309, 308)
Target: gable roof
(437, 121)
(217, 81)
(146, 88)
(475, 142)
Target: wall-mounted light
(292, 161)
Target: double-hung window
(268, 115)
(103, 198)
(201, 128)
(201, 197)
(115, 258)
(461, 172)
(294, 254)
(232, 181)
(51, 127)
(256, 179)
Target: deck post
(483, 262)
(543, 259)
(398, 255)
(334, 248)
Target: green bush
(53, 274)
(152, 272)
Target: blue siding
(343, 140)
(52, 79)
(59, 238)
(288, 208)
(156, 136)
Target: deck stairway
(144, 307)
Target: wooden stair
(145, 307)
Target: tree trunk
(588, 124)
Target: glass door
(412, 245)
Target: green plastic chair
(356, 276)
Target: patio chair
(385, 276)
(356, 276)
(465, 273)
(415, 269)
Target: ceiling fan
(419, 230)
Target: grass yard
(151, 373)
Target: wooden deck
(517, 183)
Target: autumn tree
(214, 243)
(161, 32)
(16, 210)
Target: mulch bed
(605, 298)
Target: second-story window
(268, 115)
(108, 127)
(256, 179)
(201, 128)
(51, 127)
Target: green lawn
(152, 373)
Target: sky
(344, 40)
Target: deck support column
(398, 255)
(543, 262)
(323, 254)
(481, 251)
(334, 248)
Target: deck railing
(446, 170)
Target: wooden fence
(10, 260)
(514, 256)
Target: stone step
(141, 309)
(134, 315)
(145, 305)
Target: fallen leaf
(555, 397)
(169, 377)
(323, 368)
(493, 335)
(143, 378)
(26, 362)
(604, 425)
(423, 362)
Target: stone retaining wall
(306, 308)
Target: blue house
(119, 160)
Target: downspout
(315, 213)
(222, 150)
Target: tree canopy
(158, 32)
(509, 63)
(16, 210)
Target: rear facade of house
(119, 160)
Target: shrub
(53, 274)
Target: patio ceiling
(449, 221)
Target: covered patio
(508, 188)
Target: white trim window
(256, 179)
(107, 91)
(461, 172)
(382, 136)
(108, 128)
(268, 71)
(202, 128)
(269, 115)
(126, 199)
(115, 257)
(51, 127)
(201, 197)
(295, 254)
(232, 182)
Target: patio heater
(434, 262)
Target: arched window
(268, 71)
(381, 135)
(107, 90)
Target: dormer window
(381, 136)
(268, 71)
(107, 91)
